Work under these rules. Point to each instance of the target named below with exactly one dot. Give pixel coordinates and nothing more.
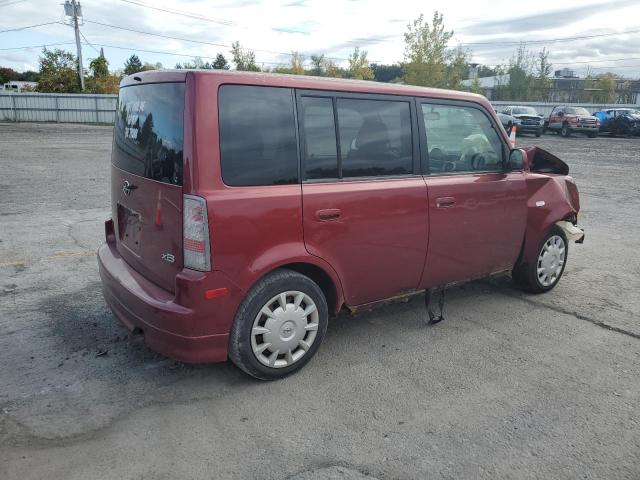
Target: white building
(19, 86)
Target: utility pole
(73, 11)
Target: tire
(252, 329)
(539, 132)
(592, 134)
(527, 277)
(566, 131)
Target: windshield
(577, 111)
(148, 132)
(524, 111)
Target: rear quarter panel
(253, 229)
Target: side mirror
(561, 114)
(517, 160)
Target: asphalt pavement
(510, 385)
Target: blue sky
(274, 28)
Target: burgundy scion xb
(247, 208)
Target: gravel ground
(508, 386)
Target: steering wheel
(478, 162)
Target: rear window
(148, 133)
(257, 135)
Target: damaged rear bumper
(571, 231)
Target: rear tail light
(195, 226)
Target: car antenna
(433, 319)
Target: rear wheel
(279, 325)
(545, 271)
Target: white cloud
(275, 28)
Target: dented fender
(552, 199)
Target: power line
(6, 4)
(170, 37)
(89, 43)
(550, 40)
(27, 47)
(182, 13)
(600, 61)
(228, 23)
(29, 26)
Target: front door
(364, 202)
(477, 210)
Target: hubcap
(551, 260)
(284, 329)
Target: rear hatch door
(146, 179)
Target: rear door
(364, 202)
(477, 210)
(146, 179)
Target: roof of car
(302, 82)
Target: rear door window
(257, 135)
(375, 137)
(148, 132)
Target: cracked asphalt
(508, 386)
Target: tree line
(428, 60)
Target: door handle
(328, 214)
(445, 202)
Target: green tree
(387, 73)
(359, 65)
(100, 80)
(7, 74)
(476, 87)
(196, 64)
(132, 65)
(220, 63)
(58, 72)
(457, 69)
(426, 51)
(542, 82)
(521, 79)
(99, 66)
(151, 66)
(317, 61)
(601, 88)
(244, 59)
(297, 63)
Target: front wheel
(279, 326)
(539, 132)
(544, 273)
(566, 131)
(592, 134)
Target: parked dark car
(619, 121)
(248, 208)
(528, 119)
(565, 120)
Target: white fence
(80, 108)
(57, 107)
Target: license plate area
(129, 227)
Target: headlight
(541, 122)
(517, 121)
